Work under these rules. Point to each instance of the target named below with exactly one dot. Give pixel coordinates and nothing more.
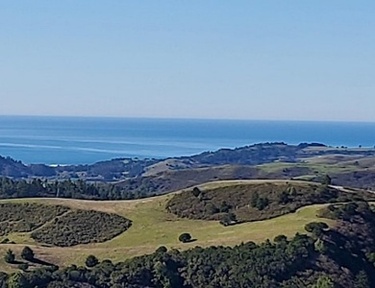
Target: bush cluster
(252, 202)
(26, 217)
(81, 227)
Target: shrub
(9, 256)
(184, 238)
(228, 219)
(280, 238)
(23, 266)
(82, 227)
(27, 254)
(254, 202)
(161, 249)
(316, 228)
(292, 191)
(254, 199)
(262, 203)
(320, 246)
(26, 217)
(324, 282)
(196, 191)
(224, 207)
(91, 261)
(327, 180)
(283, 197)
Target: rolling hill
(153, 225)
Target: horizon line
(185, 118)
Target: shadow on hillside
(191, 240)
(17, 262)
(41, 262)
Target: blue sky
(287, 60)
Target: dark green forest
(76, 189)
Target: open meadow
(152, 226)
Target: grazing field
(152, 226)
(310, 166)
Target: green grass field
(317, 167)
(153, 227)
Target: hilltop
(138, 178)
(122, 168)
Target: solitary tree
(228, 219)
(196, 191)
(91, 261)
(185, 237)
(27, 253)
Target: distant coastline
(85, 140)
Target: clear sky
(287, 60)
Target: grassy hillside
(340, 256)
(354, 170)
(152, 226)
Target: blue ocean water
(74, 140)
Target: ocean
(81, 140)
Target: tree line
(77, 189)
